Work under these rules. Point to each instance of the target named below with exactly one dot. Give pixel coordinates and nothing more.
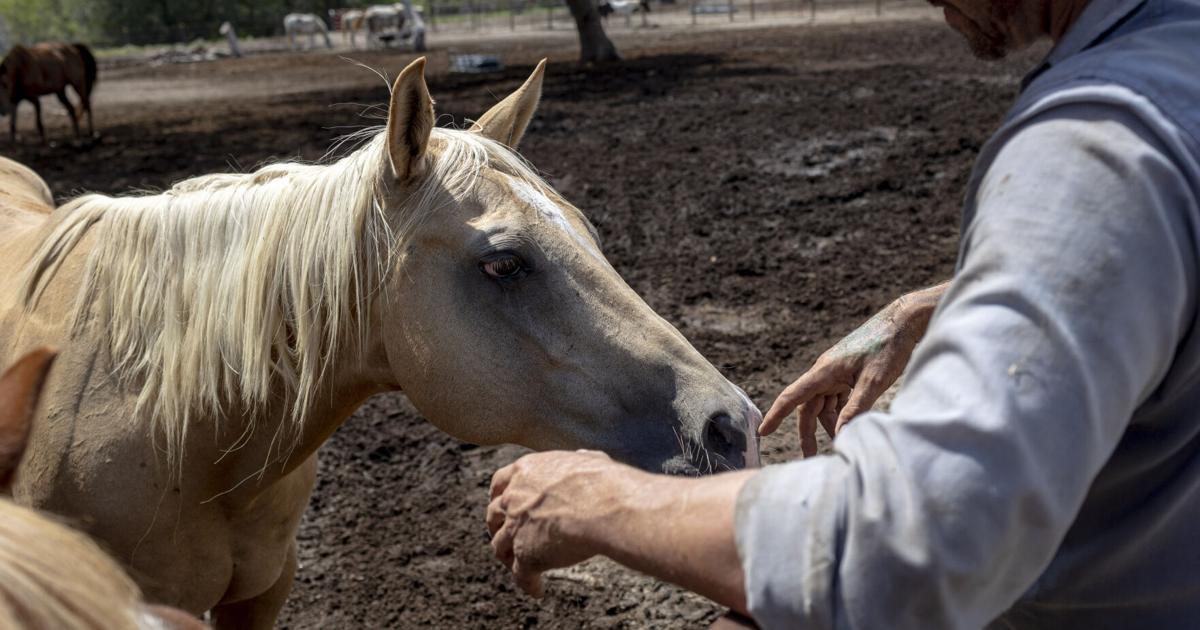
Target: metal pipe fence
(444, 16)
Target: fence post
(751, 10)
(693, 10)
(878, 8)
(812, 10)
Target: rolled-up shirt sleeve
(1075, 286)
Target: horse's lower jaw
(699, 464)
(680, 466)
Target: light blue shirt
(1040, 468)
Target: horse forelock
(226, 289)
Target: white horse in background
(379, 20)
(231, 36)
(305, 24)
(626, 8)
(399, 22)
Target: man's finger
(860, 401)
(500, 480)
(527, 579)
(502, 544)
(843, 399)
(792, 396)
(829, 413)
(495, 516)
(807, 419)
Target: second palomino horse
(50, 575)
(213, 337)
(350, 22)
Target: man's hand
(555, 509)
(849, 377)
(542, 508)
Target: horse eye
(504, 267)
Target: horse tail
(89, 67)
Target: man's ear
(410, 121)
(506, 121)
(20, 388)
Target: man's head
(994, 28)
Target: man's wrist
(922, 302)
(912, 311)
(620, 492)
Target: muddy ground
(763, 189)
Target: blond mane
(243, 288)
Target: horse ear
(506, 121)
(20, 388)
(410, 120)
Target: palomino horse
(213, 337)
(27, 74)
(350, 22)
(50, 575)
(305, 24)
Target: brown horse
(30, 73)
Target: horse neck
(275, 414)
(351, 379)
(348, 385)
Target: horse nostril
(723, 436)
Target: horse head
(503, 321)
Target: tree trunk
(594, 44)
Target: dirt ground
(763, 189)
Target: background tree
(594, 44)
(35, 20)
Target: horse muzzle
(727, 440)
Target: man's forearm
(678, 530)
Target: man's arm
(1074, 290)
(849, 377)
(555, 509)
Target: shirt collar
(1096, 21)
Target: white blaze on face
(552, 212)
(753, 419)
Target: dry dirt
(763, 189)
